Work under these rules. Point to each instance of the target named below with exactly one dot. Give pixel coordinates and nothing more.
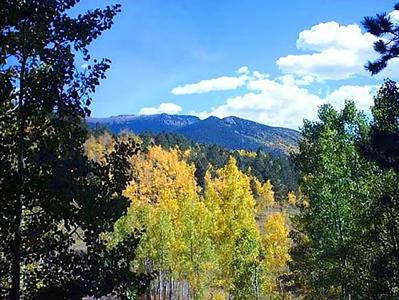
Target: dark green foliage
(279, 169)
(56, 205)
(324, 256)
(388, 45)
(382, 145)
(99, 130)
(346, 241)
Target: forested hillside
(231, 133)
(280, 170)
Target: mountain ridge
(230, 132)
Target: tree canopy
(56, 204)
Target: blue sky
(270, 61)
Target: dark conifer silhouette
(56, 205)
(388, 45)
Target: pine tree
(387, 46)
(56, 203)
(381, 146)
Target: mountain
(230, 132)
(142, 123)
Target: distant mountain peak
(212, 118)
(230, 132)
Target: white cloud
(289, 79)
(394, 15)
(168, 108)
(362, 95)
(243, 70)
(285, 102)
(271, 102)
(338, 52)
(331, 52)
(223, 83)
(338, 36)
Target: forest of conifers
(91, 214)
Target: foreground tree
(346, 236)
(56, 204)
(325, 257)
(387, 45)
(381, 146)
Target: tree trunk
(170, 284)
(257, 284)
(15, 291)
(160, 285)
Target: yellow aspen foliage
(233, 191)
(97, 148)
(291, 199)
(305, 203)
(219, 295)
(276, 241)
(165, 199)
(161, 174)
(265, 195)
(204, 246)
(233, 206)
(303, 200)
(197, 253)
(276, 245)
(246, 153)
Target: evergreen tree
(381, 145)
(387, 45)
(56, 205)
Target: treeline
(203, 242)
(279, 169)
